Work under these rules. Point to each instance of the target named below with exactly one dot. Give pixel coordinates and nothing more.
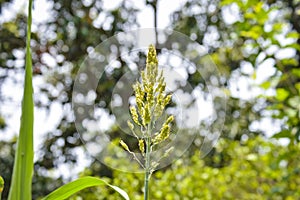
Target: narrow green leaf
(1, 186)
(23, 165)
(71, 188)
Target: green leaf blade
(23, 165)
(1, 186)
(73, 187)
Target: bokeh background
(256, 47)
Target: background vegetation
(253, 41)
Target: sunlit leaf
(71, 188)
(282, 134)
(296, 72)
(294, 102)
(266, 85)
(1, 186)
(289, 61)
(281, 94)
(293, 34)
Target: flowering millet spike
(151, 57)
(151, 100)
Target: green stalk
(147, 173)
(147, 165)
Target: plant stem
(147, 165)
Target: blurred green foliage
(255, 169)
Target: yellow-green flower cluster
(142, 146)
(164, 132)
(124, 145)
(134, 115)
(151, 100)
